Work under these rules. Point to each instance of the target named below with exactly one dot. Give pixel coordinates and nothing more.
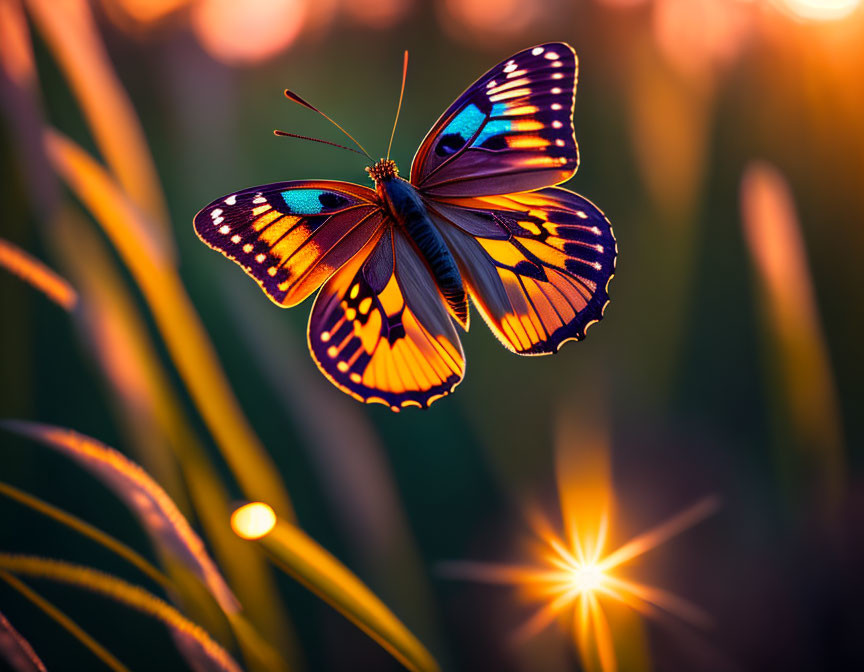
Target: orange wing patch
(537, 264)
(380, 330)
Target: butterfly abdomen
(406, 207)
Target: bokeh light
(821, 10)
(253, 520)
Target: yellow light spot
(247, 248)
(253, 521)
(350, 314)
(260, 210)
(355, 377)
(342, 366)
(235, 238)
(325, 336)
(260, 258)
(224, 229)
(355, 290)
(271, 271)
(332, 351)
(365, 305)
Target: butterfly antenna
(283, 134)
(399, 106)
(290, 95)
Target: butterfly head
(384, 169)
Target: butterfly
(480, 217)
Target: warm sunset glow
(575, 575)
(821, 10)
(253, 521)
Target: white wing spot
(231, 200)
(581, 215)
(510, 67)
(560, 143)
(259, 199)
(556, 64)
(260, 258)
(551, 55)
(224, 229)
(235, 238)
(492, 84)
(557, 75)
(536, 51)
(216, 213)
(218, 220)
(556, 91)
(556, 106)
(557, 124)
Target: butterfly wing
(379, 329)
(291, 236)
(537, 264)
(512, 130)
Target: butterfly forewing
(291, 236)
(537, 264)
(511, 131)
(379, 329)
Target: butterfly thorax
(403, 203)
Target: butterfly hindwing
(511, 131)
(537, 264)
(379, 329)
(291, 236)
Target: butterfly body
(405, 206)
(480, 217)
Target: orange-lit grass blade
(154, 508)
(112, 326)
(86, 529)
(301, 557)
(16, 650)
(70, 31)
(208, 652)
(806, 392)
(37, 274)
(175, 316)
(65, 622)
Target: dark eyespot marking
(449, 144)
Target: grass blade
(111, 325)
(154, 508)
(16, 650)
(213, 655)
(301, 557)
(86, 529)
(70, 31)
(804, 392)
(35, 273)
(64, 621)
(175, 316)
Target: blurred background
(724, 141)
